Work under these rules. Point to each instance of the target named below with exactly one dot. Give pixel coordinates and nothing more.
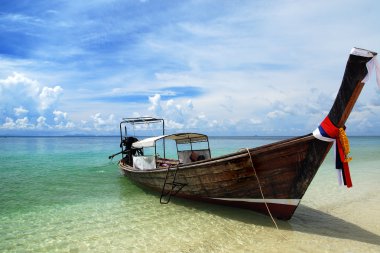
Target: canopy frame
(180, 138)
(137, 121)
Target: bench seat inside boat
(188, 156)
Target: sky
(267, 68)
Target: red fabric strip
(346, 168)
(346, 171)
(330, 128)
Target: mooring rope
(261, 190)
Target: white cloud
(70, 125)
(65, 126)
(9, 123)
(276, 114)
(256, 121)
(59, 115)
(189, 104)
(49, 96)
(20, 110)
(171, 124)
(103, 124)
(23, 95)
(31, 103)
(61, 120)
(41, 122)
(155, 104)
(178, 113)
(364, 119)
(22, 123)
(18, 80)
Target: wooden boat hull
(284, 170)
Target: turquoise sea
(62, 194)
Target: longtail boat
(271, 179)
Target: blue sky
(219, 67)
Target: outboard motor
(128, 151)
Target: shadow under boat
(313, 221)
(305, 220)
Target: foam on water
(62, 195)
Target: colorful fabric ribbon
(327, 131)
(373, 65)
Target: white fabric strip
(371, 65)
(292, 202)
(361, 52)
(317, 134)
(340, 176)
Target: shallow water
(62, 194)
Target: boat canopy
(141, 120)
(181, 138)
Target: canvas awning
(184, 138)
(181, 138)
(148, 142)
